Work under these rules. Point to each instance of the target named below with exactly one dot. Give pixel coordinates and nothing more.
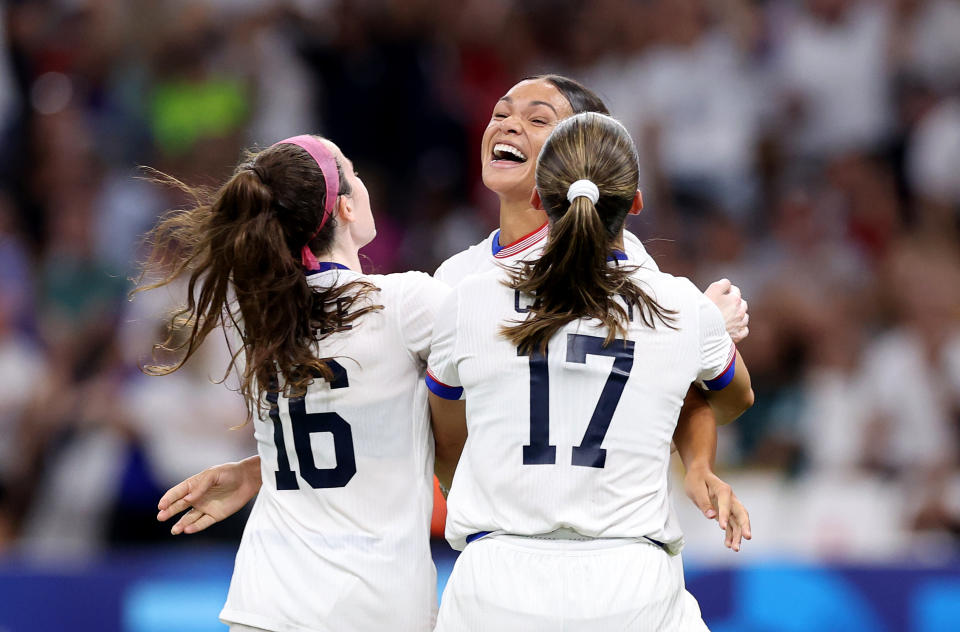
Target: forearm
(445, 465)
(449, 424)
(696, 432)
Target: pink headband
(331, 177)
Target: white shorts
(509, 583)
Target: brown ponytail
(239, 248)
(572, 279)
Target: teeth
(500, 149)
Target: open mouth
(508, 153)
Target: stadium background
(806, 149)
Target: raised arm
(212, 495)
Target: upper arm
(722, 371)
(420, 302)
(717, 351)
(443, 377)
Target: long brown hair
(572, 278)
(239, 248)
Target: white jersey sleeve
(443, 378)
(717, 350)
(420, 298)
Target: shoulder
(678, 291)
(408, 286)
(465, 262)
(482, 281)
(636, 251)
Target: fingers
(733, 536)
(178, 505)
(723, 501)
(700, 496)
(718, 289)
(722, 286)
(202, 523)
(742, 517)
(174, 494)
(191, 522)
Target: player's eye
(499, 115)
(539, 121)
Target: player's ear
(637, 205)
(344, 209)
(535, 200)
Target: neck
(349, 257)
(617, 243)
(518, 219)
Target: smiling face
(521, 122)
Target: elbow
(732, 406)
(744, 404)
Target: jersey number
(305, 424)
(588, 453)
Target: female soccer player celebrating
(563, 512)
(333, 360)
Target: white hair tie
(585, 188)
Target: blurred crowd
(806, 149)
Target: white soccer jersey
(579, 438)
(489, 254)
(338, 537)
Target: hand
(717, 501)
(212, 495)
(727, 297)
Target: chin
(506, 184)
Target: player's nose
(511, 125)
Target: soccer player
(519, 125)
(573, 367)
(333, 362)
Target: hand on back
(733, 307)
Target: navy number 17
(588, 453)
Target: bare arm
(696, 440)
(449, 420)
(734, 399)
(211, 496)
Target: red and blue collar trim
(502, 252)
(323, 266)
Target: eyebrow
(509, 100)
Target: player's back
(578, 436)
(343, 515)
